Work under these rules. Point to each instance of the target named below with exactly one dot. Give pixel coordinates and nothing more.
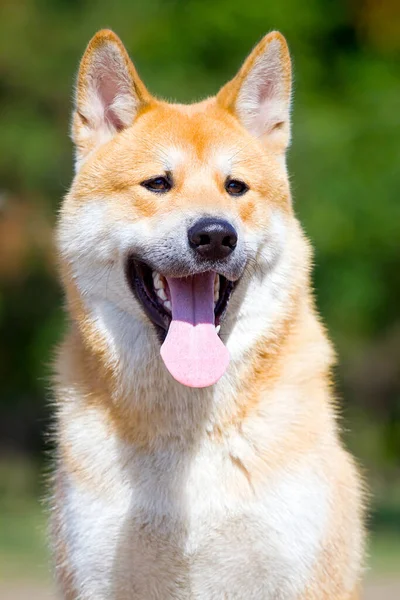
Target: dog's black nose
(212, 239)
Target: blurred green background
(345, 167)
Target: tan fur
(289, 361)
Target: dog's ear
(109, 94)
(259, 96)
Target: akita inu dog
(198, 450)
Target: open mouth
(187, 312)
(152, 290)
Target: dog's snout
(212, 238)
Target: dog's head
(178, 215)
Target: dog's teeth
(216, 288)
(161, 294)
(159, 284)
(157, 281)
(217, 329)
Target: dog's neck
(123, 374)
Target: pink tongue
(192, 352)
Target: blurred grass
(24, 550)
(384, 551)
(24, 553)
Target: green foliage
(344, 165)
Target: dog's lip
(140, 281)
(139, 275)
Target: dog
(198, 453)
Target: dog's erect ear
(259, 95)
(109, 94)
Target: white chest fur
(170, 525)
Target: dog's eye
(157, 184)
(235, 187)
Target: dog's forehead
(175, 157)
(198, 134)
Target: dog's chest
(199, 530)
